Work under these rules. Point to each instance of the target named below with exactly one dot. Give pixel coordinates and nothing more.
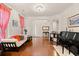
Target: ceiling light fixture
(39, 8)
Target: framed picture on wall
(74, 20)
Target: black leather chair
(76, 42)
(60, 37)
(65, 39)
(68, 41)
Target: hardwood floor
(37, 47)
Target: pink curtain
(4, 18)
(22, 23)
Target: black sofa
(69, 40)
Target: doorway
(37, 27)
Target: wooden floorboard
(39, 46)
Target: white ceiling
(50, 8)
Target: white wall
(70, 12)
(11, 30)
(63, 17)
(30, 23)
(37, 27)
